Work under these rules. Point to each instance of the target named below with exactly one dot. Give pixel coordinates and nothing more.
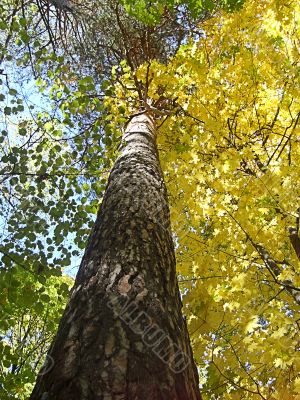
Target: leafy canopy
(229, 145)
(228, 114)
(152, 11)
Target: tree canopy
(227, 107)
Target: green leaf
(3, 25)
(12, 92)
(45, 298)
(22, 131)
(7, 110)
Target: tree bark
(123, 335)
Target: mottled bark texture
(122, 335)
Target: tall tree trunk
(122, 335)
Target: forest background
(226, 99)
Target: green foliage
(52, 175)
(151, 12)
(29, 315)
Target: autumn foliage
(230, 152)
(228, 114)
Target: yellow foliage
(239, 182)
(231, 158)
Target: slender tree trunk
(122, 335)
